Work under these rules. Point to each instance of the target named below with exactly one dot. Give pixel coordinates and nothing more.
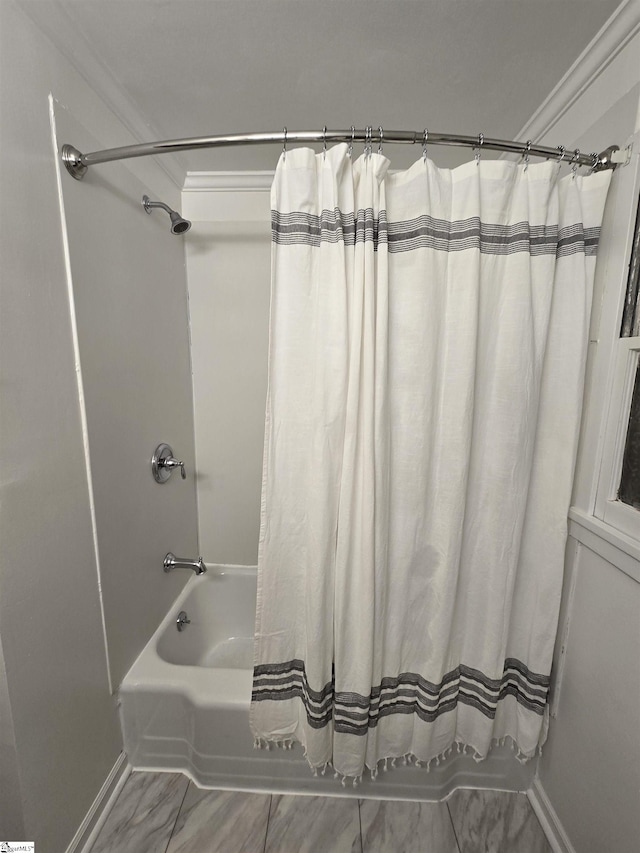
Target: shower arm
(77, 163)
(149, 205)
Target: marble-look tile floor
(165, 813)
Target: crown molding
(245, 181)
(621, 27)
(62, 30)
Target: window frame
(608, 506)
(624, 361)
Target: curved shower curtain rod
(77, 163)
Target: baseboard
(549, 820)
(88, 830)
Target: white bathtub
(184, 706)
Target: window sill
(615, 547)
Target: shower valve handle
(164, 462)
(171, 463)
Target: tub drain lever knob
(182, 621)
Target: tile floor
(166, 813)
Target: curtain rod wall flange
(77, 163)
(72, 159)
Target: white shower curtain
(427, 350)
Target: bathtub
(184, 706)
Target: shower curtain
(427, 348)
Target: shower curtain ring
(381, 135)
(425, 139)
(284, 144)
(367, 141)
(479, 147)
(526, 155)
(353, 134)
(574, 162)
(562, 150)
(324, 142)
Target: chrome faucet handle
(163, 462)
(170, 462)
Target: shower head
(178, 224)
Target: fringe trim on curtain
(409, 759)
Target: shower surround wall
(228, 264)
(59, 729)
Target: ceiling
(200, 67)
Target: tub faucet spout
(172, 562)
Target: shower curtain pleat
(427, 348)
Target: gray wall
(62, 737)
(12, 824)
